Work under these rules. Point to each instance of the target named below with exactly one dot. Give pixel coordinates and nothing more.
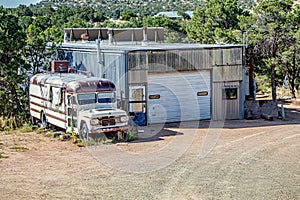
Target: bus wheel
(43, 121)
(84, 132)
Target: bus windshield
(89, 98)
(93, 98)
(106, 97)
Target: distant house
(174, 14)
(190, 13)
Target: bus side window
(73, 101)
(69, 100)
(56, 96)
(49, 93)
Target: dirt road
(233, 160)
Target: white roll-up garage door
(174, 97)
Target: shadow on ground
(156, 132)
(148, 136)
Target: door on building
(137, 104)
(231, 96)
(180, 96)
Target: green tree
(41, 43)
(42, 10)
(163, 21)
(85, 13)
(216, 22)
(99, 16)
(184, 15)
(13, 101)
(109, 24)
(269, 37)
(74, 22)
(128, 15)
(23, 10)
(175, 31)
(291, 50)
(25, 21)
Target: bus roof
(73, 83)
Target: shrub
(131, 137)
(132, 133)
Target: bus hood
(94, 113)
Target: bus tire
(84, 131)
(44, 123)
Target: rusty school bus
(75, 101)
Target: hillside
(113, 8)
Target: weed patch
(131, 137)
(40, 130)
(132, 134)
(26, 128)
(49, 134)
(2, 155)
(19, 148)
(80, 144)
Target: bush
(132, 133)
(263, 83)
(10, 123)
(131, 137)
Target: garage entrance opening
(138, 105)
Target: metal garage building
(160, 82)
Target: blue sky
(16, 3)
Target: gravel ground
(239, 159)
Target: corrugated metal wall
(86, 61)
(138, 67)
(184, 60)
(232, 108)
(115, 70)
(227, 72)
(226, 65)
(218, 102)
(111, 66)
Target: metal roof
(127, 39)
(123, 47)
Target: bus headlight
(124, 118)
(94, 122)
